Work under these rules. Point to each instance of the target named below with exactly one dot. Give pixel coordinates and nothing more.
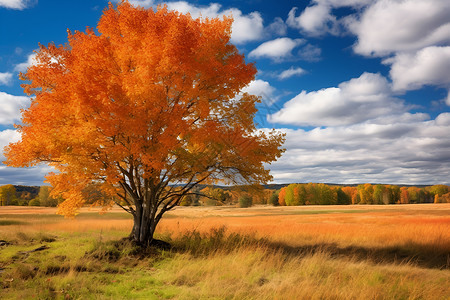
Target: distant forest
(244, 196)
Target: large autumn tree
(148, 106)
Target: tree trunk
(143, 227)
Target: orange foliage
(282, 196)
(352, 192)
(148, 102)
(404, 196)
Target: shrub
(245, 201)
(211, 202)
(14, 202)
(34, 202)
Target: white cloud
(262, 88)
(317, 19)
(278, 27)
(382, 26)
(278, 49)
(390, 26)
(355, 101)
(410, 150)
(184, 7)
(246, 28)
(291, 72)
(143, 3)
(16, 4)
(5, 78)
(22, 67)
(429, 66)
(7, 136)
(314, 20)
(10, 107)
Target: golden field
(263, 252)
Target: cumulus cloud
(376, 23)
(318, 19)
(314, 20)
(22, 67)
(246, 28)
(5, 78)
(291, 72)
(355, 101)
(8, 136)
(278, 49)
(262, 88)
(429, 66)
(390, 26)
(411, 150)
(16, 4)
(10, 107)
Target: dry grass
(368, 226)
(313, 252)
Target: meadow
(262, 252)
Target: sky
(360, 87)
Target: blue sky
(361, 87)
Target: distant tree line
(322, 194)
(26, 196)
(244, 196)
(41, 196)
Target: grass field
(263, 252)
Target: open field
(263, 252)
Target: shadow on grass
(413, 254)
(218, 240)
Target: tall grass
(230, 254)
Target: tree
(245, 201)
(439, 189)
(352, 193)
(274, 198)
(365, 192)
(404, 196)
(149, 107)
(342, 197)
(378, 194)
(8, 195)
(444, 198)
(289, 198)
(282, 196)
(44, 198)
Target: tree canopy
(148, 105)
